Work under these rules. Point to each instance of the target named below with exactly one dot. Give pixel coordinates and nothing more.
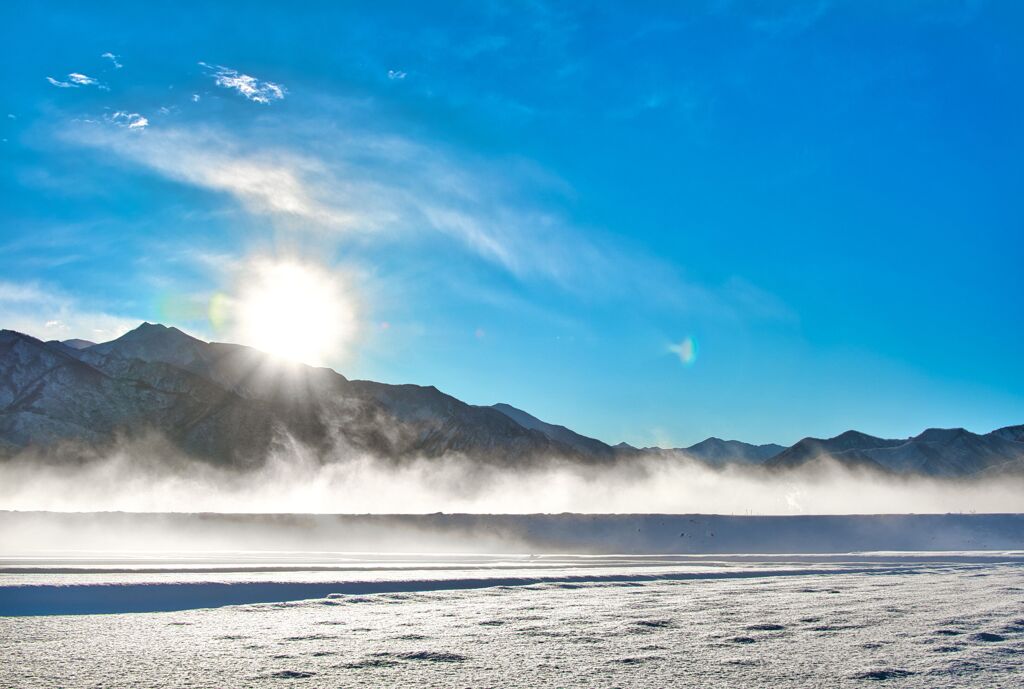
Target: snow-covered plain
(908, 620)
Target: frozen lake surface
(903, 619)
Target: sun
(293, 310)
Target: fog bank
(148, 476)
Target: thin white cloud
(81, 79)
(250, 87)
(130, 120)
(50, 314)
(396, 75)
(75, 80)
(114, 59)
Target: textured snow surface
(953, 623)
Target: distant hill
(234, 405)
(934, 452)
(70, 346)
(76, 343)
(847, 448)
(718, 452)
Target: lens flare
(686, 350)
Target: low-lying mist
(147, 475)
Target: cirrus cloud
(248, 86)
(130, 120)
(76, 80)
(389, 188)
(113, 59)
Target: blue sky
(648, 225)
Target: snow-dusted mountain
(233, 404)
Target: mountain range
(232, 405)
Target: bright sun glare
(294, 311)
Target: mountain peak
(940, 435)
(155, 342)
(852, 435)
(855, 440)
(77, 343)
(156, 332)
(147, 329)
(718, 451)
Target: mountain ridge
(231, 403)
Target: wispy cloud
(391, 189)
(793, 20)
(50, 314)
(130, 120)
(396, 75)
(75, 80)
(368, 185)
(250, 87)
(113, 59)
(277, 183)
(81, 79)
